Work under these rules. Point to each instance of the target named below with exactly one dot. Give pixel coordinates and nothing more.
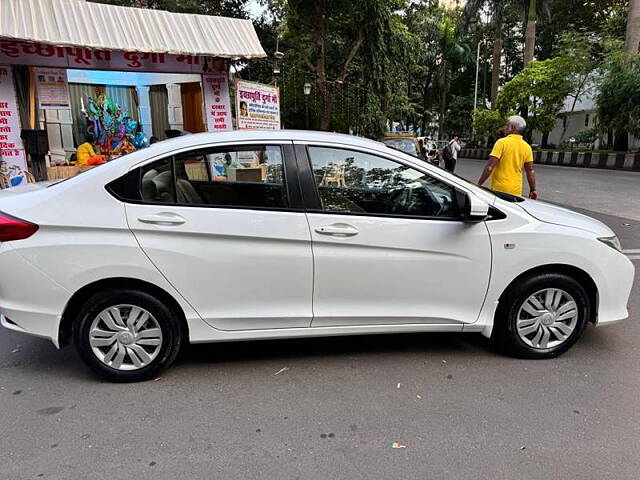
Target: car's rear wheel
(127, 335)
(541, 316)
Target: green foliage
(459, 117)
(487, 123)
(540, 89)
(417, 61)
(618, 100)
(587, 136)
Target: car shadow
(341, 346)
(39, 360)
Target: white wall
(106, 77)
(576, 122)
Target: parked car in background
(247, 235)
(404, 142)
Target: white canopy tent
(110, 27)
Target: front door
(388, 244)
(192, 113)
(220, 225)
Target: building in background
(150, 62)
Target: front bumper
(614, 289)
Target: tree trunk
(578, 92)
(530, 33)
(328, 100)
(442, 134)
(496, 60)
(425, 101)
(632, 40)
(545, 140)
(496, 57)
(621, 142)
(319, 67)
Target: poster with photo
(257, 106)
(53, 89)
(13, 164)
(217, 102)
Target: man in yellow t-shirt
(507, 159)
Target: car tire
(127, 335)
(541, 316)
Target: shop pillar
(144, 110)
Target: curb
(606, 161)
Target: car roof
(263, 135)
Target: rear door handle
(164, 218)
(338, 230)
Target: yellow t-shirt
(513, 152)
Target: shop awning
(109, 27)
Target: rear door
(226, 227)
(388, 243)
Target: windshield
(406, 145)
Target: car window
(235, 177)
(355, 182)
(156, 182)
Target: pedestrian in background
(507, 159)
(450, 153)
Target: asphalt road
(332, 408)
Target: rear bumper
(9, 324)
(30, 301)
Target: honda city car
(250, 235)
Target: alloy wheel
(125, 337)
(547, 318)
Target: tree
(453, 52)
(632, 40)
(616, 112)
(541, 89)
(496, 57)
(530, 32)
(458, 119)
(487, 123)
(619, 101)
(579, 52)
(329, 36)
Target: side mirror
(472, 208)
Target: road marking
(632, 250)
(633, 257)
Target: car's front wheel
(127, 335)
(541, 316)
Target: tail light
(12, 228)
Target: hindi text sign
(257, 106)
(13, 163)
(217, 102)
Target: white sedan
(282, 234)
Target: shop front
(134, 75)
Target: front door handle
(164, 218)
(338, 230)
